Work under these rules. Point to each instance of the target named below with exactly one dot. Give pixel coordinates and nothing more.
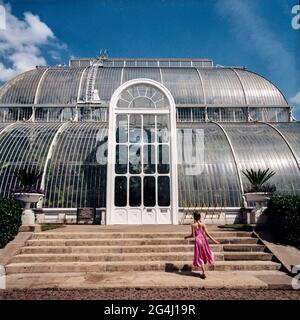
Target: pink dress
(202, 251)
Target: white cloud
(296, 99)
(256, 35)
(21, 44)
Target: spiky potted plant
(260, 190)
(259, 193)
(28, 193)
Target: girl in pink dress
(202, 252)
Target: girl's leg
(203, 271)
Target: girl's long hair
(197, 216)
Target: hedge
(10, 219)
(284, 219)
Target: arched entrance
(142, 170)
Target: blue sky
(253, 33)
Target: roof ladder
(91, 94)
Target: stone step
(114, 249)
(72, 267)
(131, 235)
(133, 242)
(243, 247)
(263, 256)
(139, 249)
(166, 256)
(263, 279)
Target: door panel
(135, 216)
(149, 216)
(164, 216)
(119, 216)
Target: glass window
(152, 63)
(122, 129)
(213, 114)
(198, 114)
(185, 63)
(163, 185)
(135, 191)
(240, 114)
(149, 191)
(174, 63)
(68, 114)
(183, 114)
(135, 133)
(149, 158)
(142, 96)
(197, 63)
(149, 129)
(130, 63)
(227, 114)
(142, 102)
(141, 63)
(121, 159)
(163, 165)
(134, 159)
(118, 63)
(120, 191)
(163, 128)
(25, 113)
(163, 63)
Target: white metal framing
(234, 156)
(37, 92)
(286, 141)
(114, 110)
(49, 156)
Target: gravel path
(149, 294)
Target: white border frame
(113, 110)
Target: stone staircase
(72, 252)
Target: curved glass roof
(76, 172)
(189, 86)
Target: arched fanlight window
(142, 96)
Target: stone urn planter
(257, 215)
(257, 196)
(28, 217)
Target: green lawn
(51, 226)
(238, 227)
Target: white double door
(142, 172)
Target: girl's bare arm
(209, 236)
(192, 235)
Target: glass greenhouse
(144, 139)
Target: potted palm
(28, 193)
(259, 193)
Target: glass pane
(213, 114)
(163, 191)
(163, 128)
(122, 129)
(121, 159)
(149, 158)
(142, 102)
(163, 158)
(68, 114)
(135, 191)
(120, 191)
(149, 129)
(149, 191)
(135, 128)
(198, 114)
(184, 114)
(135, 158)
